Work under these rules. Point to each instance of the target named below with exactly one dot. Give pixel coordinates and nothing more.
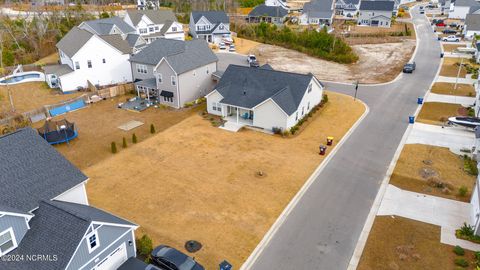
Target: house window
(309, 88)
(308, 106)
(104, 61)
(303, 111)
(296, 116)
(160, 78)
(194, 73)
(141, 68)
(89, 63)
(157, 28)
(151, 29)
(174, 80)
(221, 27)
(168, 99)
(7, 241)
(201, 27)
(143, 30)
(216, 106)
(174, 29)
(92, 241)
(77, 65)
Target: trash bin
(411, 119)
(225, 265)
(329, 140)
(420, 100)
(323, 150)
(439, 38)
(441, 55)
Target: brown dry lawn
(98, 124)
(400, 243)
(452, 47)
(194, 181)
(436, 113)
(245, 46)
(418, 162)
(48, 60)
(443, 88)
(450, 67)
(30, 96)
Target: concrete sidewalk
(448, 214)
(466, 101)
(455, 138)
(453, 79)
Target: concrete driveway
(455, 138)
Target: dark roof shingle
(270, 11)
(377, 5)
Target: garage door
(114, 260)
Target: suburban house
(269, 14)
(263, 97)
(376, 13)
(472, 26)
(444, 6)
(155, 24)
(213, 26)
(174, 72)
(44, 212)
(347, 8)
(87, 58)
(477, 59)
(475, 199)
(460, 8)
(277, 3)
(148, 4)
(318, 12)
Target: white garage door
(114, 260)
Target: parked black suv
(169, 258)
(409, 67)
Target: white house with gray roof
(44, 212)
(347, 8)
(318, 12)
(263, 97)
(268, 14)
(472, 26)
(460, 8)
(376, 13)
(155, 24)
(174, 72)
(86, 57)
(213, 26)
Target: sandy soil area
(418, 163)
(450, 67)
(398, 243)
(195, 181)
(378, 62)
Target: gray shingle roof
(56, 229)
(4, 208)
(133, 39)
(247, 87)
(150, 83)
(270, 11)
(159, 16)
(118, 42)
(59, 70)
(467, 3)
(377, 5)
(31, 170)
(472, 22)
(74, 41)
(322, 9)
(181, 55)
(212, 16)
(104, 26)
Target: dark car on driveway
(168, 258)
(254, 64)
(449, 31)
(409, 67)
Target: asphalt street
(322, 230)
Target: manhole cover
(193, 246)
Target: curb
(293, 202)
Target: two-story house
(376, 13)
(154, 24)
(89, 58)
(460, 8)
(277, 3)
(45, 219)
(347, 8)
(174, 72)
(213, 26)
(317, 12)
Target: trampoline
(55, 132)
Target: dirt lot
(436, 113)
(48, 60)
(450, 67)
(245, 46)
(466, 90)
(378, 62)
(194, 181)
(418, 164)
(98, 124)
(399, 243)
(29, 96)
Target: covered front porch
(237, 115)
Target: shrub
(152, 129)
(124, 142)
(471, 112)
(461, 262)
(466, 230)
(113, 147)
(325, 98)
(188, 104)
(470, 165)
(462, 191)
(134, 138)
(459, 250)
(144, 245)
(277, 130)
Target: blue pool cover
(67, 107)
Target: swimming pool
(31, 76)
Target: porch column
(237, 115)
(223, 113)
(138, 92)
(148, 94)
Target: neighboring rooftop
(467, 3)
(377, 5)
(319, 9)
(270, 11)
(181, 55)
(247, 87)
(472, 22)
(31, 170)
(73, 41)
(104, 26)
(59, 70)
(212, 16)
(118, 43)
(160, 16)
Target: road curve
(322, 229)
